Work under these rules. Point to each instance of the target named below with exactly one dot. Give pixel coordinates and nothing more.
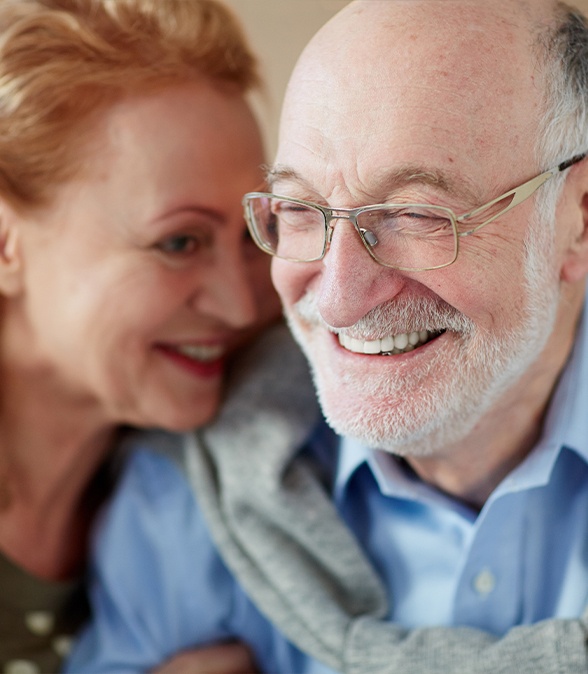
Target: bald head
(445, 74)
(533, 10)
(362, 23)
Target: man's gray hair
(563, 132)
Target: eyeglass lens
(404, 236)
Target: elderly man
(428, 213)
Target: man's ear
(575, 262)
(10, 252)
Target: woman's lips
(202, 360)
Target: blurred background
(279, 30)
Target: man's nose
(352, 282)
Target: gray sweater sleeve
(279, 533)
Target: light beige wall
(279, 30)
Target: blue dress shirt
(161, 587)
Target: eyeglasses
(408, 237)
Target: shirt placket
(488, 593)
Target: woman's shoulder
(151, 465)
(152, 503)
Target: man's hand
(228, 658)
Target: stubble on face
(425, 409)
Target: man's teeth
(201, 352)
(393, 345)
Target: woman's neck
(50, 451)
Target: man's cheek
(291, 280)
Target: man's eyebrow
(397, 178)
(390, 181)
(278, 172)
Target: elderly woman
(126, 274)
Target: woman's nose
(228, 294)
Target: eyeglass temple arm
(519, 194)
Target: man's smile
(390, 345)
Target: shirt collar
(391, 477)
(566, 426)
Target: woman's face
(140, 276)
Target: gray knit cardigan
(277, 530)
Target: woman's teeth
(202, 353)
(392, 345)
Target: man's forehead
(415, 81)
(383, 184)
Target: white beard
(422, 412)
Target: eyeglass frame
(519, 194)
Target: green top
(38, 619)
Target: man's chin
(398, 439)
(405, 425)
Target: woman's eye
(184, 244)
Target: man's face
(419, 102)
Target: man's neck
(472, 470)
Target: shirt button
(484, 582)
(40, 622)
(21, 667)
(62, 645)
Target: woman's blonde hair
(63, 60)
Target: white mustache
(398, 316)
